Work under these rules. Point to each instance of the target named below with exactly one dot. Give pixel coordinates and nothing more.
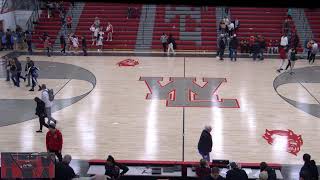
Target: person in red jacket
(54, 140)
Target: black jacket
(234, 43)
(114, 171)
(28, 65)
(64, 172)
(236, 174)
(271, 173)
(19, 67)
(41, 109)
(205, 142)
(310, 171)
(84, 43)
(222, 44)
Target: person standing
(63, 44)
(47, 45)
(314, 51)
(205, 143)
(109, 30)
(29, 64)
(41, 113)
(283, 51)
(292, 59)
(100, 41)
(29, 42)
(309, 169)
(75, 43)
(69, 23)
(19, 70)
(48, 104)
(54, 141)
(233, 47)
(222, 46)
(164, 40)
(84, 45)
(13, 72)
(171, 45)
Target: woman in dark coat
(41, 113)
(113, 169)
(205, 143)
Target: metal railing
(305, 23)
(34, 17)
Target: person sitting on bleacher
(203, 170)
(63, 171)
(113, 169)
(214, 175)
(235, 173)
(271, 172)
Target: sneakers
(31, 89)
(39, 131)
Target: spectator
(29, 64)
(100, 41)
(109, 31)
(96, 22)
(221, 47)
(13, 72)
(309, 170)
(305, 48)
(164, 39)
(75, 43)
(236, 25)
(270, 172)
(214, 174)
(291, 59)
(235, 173)
(262, 46)
(263, 175)
(222, 27)
(314, 51)
(69, 23)
(41, 113)
(7, 66)
(270, 47)
(33, 72)
(256, 48)
(63, 44)
(276, 46)
(29, 41)
(54, 140)
(112, 168)
(47, 45)
(309, 47)
(93, 30)
(233, 47)
(226, 20)
(171, 45)
(19, 70)
(63, 171)
(203, 170)
(231, 29)
(84, 45)
(205, 143)
(130, 12)
(251, 43)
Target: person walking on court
(29, 41)
(314, 51)
(233, 47)
(29, 64)
(46, 97)
(7, 65)
(205, 143)
(34, 74)
(84, 45)
(54, 140)
(41, 113)
(19, 70)
(13, 72)
(163, 40)
(171, 45)
(222, 46)
(291, 59)
(47, 45)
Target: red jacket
(54, 141)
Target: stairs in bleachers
(124, 30)
(50, 25)
(193, 28)
(261, 21)
(313, 16)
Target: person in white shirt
(75, 43)
(284, 41)
(283, 51)
(47, 102)
(100, 41)
(109, 30)
(314, 51)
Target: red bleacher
(313, 16)
(50, 25)
(207, 26)
(124, 30)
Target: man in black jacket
(233, 44)
(19, 69)
(235, 173)
(29, 64)
(41, 113)
(63, 171)
(271, 172)
(84, 45)
(222, 46)
(63, 44)
(205, 143)
(309, 169)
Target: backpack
(51, 94)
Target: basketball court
(103, 108)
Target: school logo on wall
(128, 62)
(294, 141)
(185, 92)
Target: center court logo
(185, 92)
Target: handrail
(33, 18)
